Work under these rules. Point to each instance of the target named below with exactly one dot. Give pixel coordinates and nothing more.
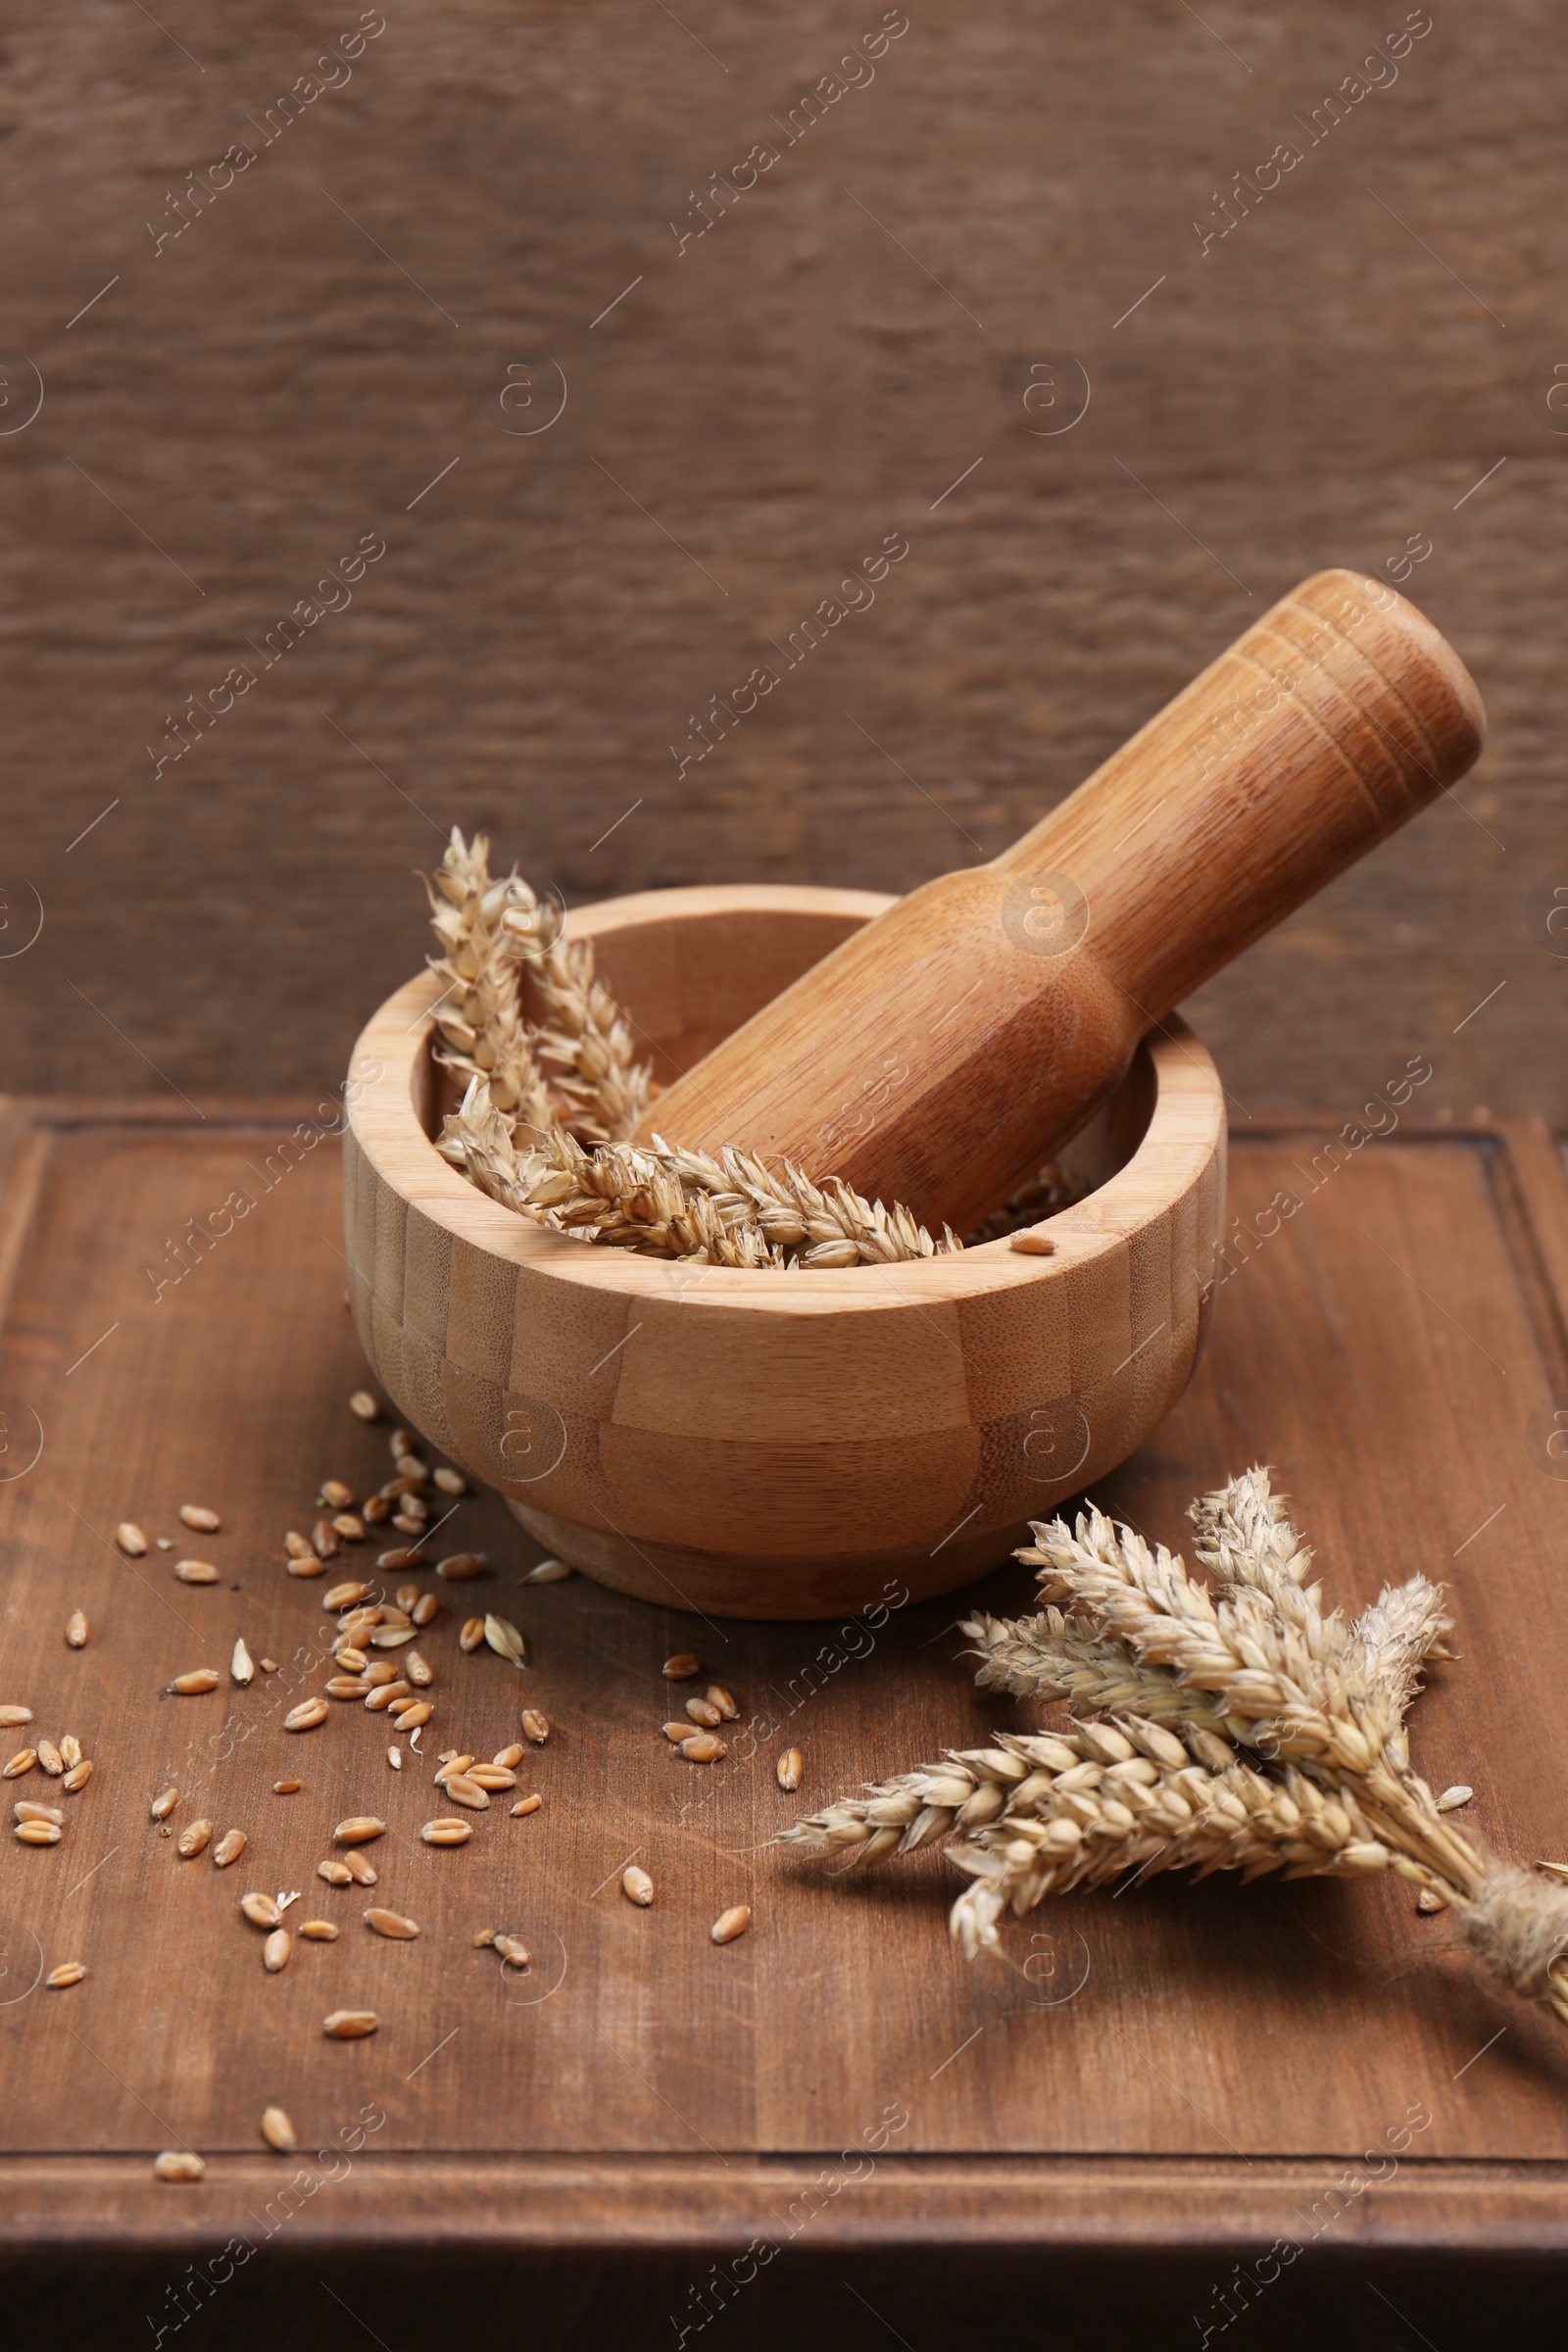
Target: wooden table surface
(1149, 2091)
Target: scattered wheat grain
(446, 1829)
(391, 1924)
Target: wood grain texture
(769, 1444)
(948, 1049)
(1391, 1347)
(1316, 387)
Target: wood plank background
(240, 404)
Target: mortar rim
(1186, 1131)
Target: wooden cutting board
(1155, 2090)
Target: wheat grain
(277, 2129)
(177, 2164)
(391, 1924)
(350, 2025)
(505, 1640)
(69, 1972)
(200, 1520)
(447, 1830)
(76, 1630)
(731, 1923)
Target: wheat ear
(732, 1210)
(521, 1131)
(586, 1043)
(1323, 1784)
(482, 1033)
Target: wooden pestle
(942, 1052)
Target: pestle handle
(1314, 736)
(943, 1051)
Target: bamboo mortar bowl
(757, 1445)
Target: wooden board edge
(660, 2204)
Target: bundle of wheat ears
(1237, 1727)
(549, 1108)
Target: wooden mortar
(772, 1444)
